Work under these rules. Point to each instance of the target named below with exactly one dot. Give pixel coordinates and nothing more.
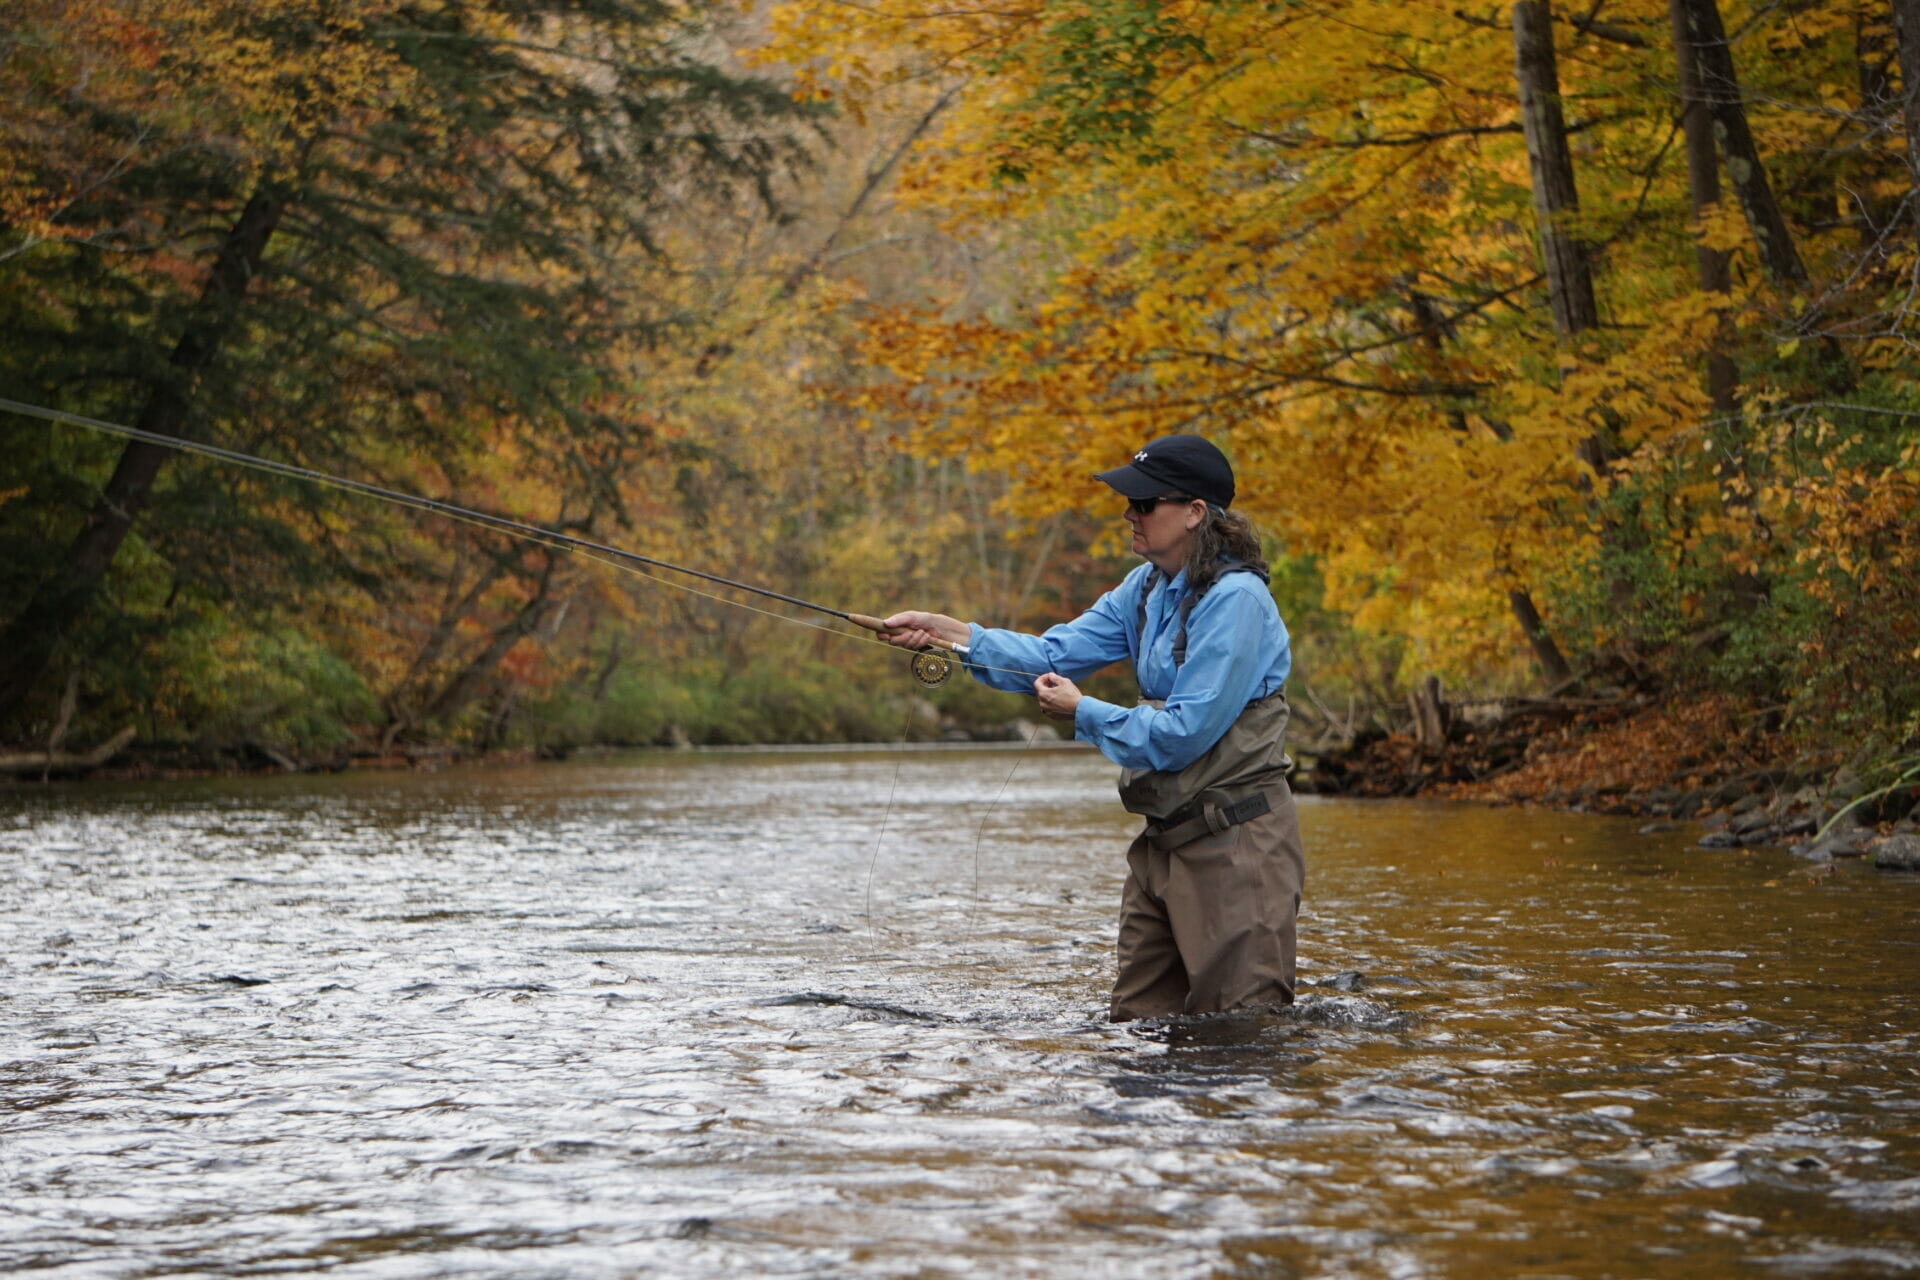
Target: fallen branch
(1565, 705)
(44, 762)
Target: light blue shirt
(1237, 651)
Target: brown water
(687, 1015)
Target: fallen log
(43, 762)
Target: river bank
(126, 758)
(1702, 761)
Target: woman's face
(1162, 534)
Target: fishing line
(1031, 736)
(879, 840)
(979, 833)
(931, 667)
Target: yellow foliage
(1319, 249)
(180, 74)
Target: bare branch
(1589, 25)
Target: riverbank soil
(1705, 759)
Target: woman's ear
(1196, 512)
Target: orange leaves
(1322, 252)
(1856, 523)
(92, 91)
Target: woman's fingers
(916, 629)
(907, 630)
(1058, 696)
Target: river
(838, 1014)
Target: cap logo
(1140, 456)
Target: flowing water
(825, 1014)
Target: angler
(1214, 879)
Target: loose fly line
(979, 833)
(930, 667)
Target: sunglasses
(1145, 506)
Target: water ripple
(691, 1016)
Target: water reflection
(744, 1014)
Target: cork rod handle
(880, 628)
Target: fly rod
(930, 668)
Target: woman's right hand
(916, 629)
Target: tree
(1556, 195)
(430, 218)
(1906, 22)
(1719, 85)
(1329, 263)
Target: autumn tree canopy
(1558, 349)
(372, 236)
(1589, 328)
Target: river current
(839, 1014)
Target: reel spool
(932, 668)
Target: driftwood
(24, 762)
(283, 761)
(1520, 704)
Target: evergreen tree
(337, 231)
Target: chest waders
(1212, 896)
(1234, 781)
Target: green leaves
(469, 249)
(1100, 72)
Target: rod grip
(880, 628)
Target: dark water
(689, 1016)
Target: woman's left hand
(1059, 696)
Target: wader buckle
(1209, 818)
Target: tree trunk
(453, 612)
(1432, 718)
(1552, 663)
(1716, 276)
(33, 636)
(1720, 86)
(1569, 267)
(1555, 198)
(616, 651)
(1703, 188)
(53, 761)
(1875, 52)
(1906, 25)
(471, 681)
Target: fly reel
(932, 668)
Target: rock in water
(1898, 853)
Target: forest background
(1558, 350)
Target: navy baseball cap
(1175, 464)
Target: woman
(1213, 883)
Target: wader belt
(1209, 818)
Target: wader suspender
(1154, 579)
(1206, 818)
